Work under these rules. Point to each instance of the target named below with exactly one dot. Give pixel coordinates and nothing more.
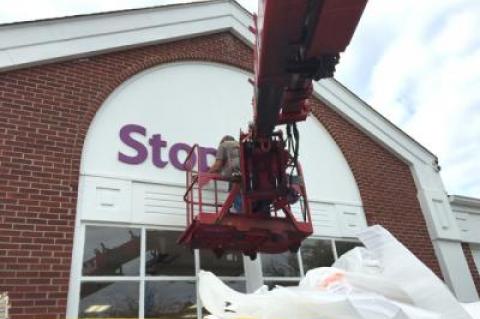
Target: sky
(415, 62)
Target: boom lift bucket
(212, 224)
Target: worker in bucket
(227, 164)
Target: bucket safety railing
(208, 193)
(204, 192)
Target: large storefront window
(281, 265)
(164, 257)
(111, 251)
(281, 269)
(170, 299)
(110, 284)
(343, 246)
(139, 272)
(109, 299)
(317, 253)
(228, 265)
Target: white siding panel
(468, 221)
(324, 219)
(337, 219)
(352, 220)
(105, 199)
(158, 204)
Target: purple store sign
(158, 148)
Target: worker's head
(227, 138)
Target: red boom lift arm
(297, 41)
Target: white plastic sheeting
(403, 268)
(473, 309)
(384, 280)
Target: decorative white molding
(335, 219)
(467, 215)
(130, 202)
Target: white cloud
(424, 75)
(25, 10)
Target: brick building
(97, 112)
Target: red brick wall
(471, 264)
(386, 185)
(45, 113)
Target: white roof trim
(37, 42)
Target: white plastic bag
(404, 269)
(341, 281)
(327, 302)
(360, 260)
(473, 309)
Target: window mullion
(73, 306)
(141, 295)
(334, 248)
(197, 270)
(300, 263)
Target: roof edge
(38, 42)
(459, 200)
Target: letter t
(157, 144)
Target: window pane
(170, 299)
(280, 265)
(165, 257)
(109, 300)
(111, 251)
(344, 246)
(316, 253)
(230, 264)
(271, 284)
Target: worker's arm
(216, 167)
(220, 159)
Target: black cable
(289, 137)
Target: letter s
(125, 137)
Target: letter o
(173, 155)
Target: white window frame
(77, 277)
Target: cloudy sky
(416, 62)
